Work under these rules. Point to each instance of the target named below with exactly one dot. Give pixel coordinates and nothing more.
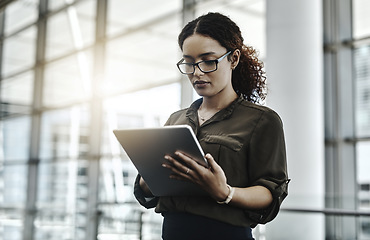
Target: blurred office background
(71, 71)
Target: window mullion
(339, 123)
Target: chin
(204, 95)
(201, 93)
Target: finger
(176, 167)
(183, 176)
(192, 163)
(176, 163)
(176, 173)
(211, 162)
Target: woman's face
(200, 48)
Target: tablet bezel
(146, 148)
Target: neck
(218, 102)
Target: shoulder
(176, 116)
(179, 113)
(259, 111)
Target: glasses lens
(208, 66)
(204, 66)
(186, 68)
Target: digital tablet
(146, 148)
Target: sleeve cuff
(147, 202)
(279, 192)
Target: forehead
(197, 44)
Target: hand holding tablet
(147, 147)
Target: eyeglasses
(206, 66)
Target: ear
(235, 59)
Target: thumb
(211, 162)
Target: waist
(206, 207)
(179, 225)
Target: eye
(209, 62)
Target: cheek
(190, 77)
(224, 70)
(222, 77)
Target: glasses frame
(216, 61)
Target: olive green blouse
(247, 141)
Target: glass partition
(11, 224)
(362, 90)
(128, 16)
(62, 200)
(146, 57)
(248, 15)
(15, 137)
(16, 95)
(361, 19)
(20, 14)
(19, 52)
(68, 80)
(65, 133)
(71, 29)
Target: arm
(213, 180)
(145, 188)
(256, 197)
(143, 194)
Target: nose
(197, 71)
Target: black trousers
(184, 226)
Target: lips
(200, 83)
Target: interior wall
(295, 80)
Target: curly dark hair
(248, 78)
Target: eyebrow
(200, 55)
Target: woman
(246, 180)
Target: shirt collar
(192, 113)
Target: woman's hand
(211, 179)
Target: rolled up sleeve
(268, 165)
(139, 194)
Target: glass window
(16, 94)
(363, 176)
(291, 221)
(71, 29)
(15, 139)
(64, 133)
(361, 18)
(143, 58)
(19, 14)
(363, 180)
(13, 190)
(19, 51)
(68, 80)
(11, 223)
(362, 77)
(137, 224)
(362, 83)
(124, 15)
(248, 15)
(57, 4)
(117, 177)
(62, 200)
(14, 185)
(146, 108)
